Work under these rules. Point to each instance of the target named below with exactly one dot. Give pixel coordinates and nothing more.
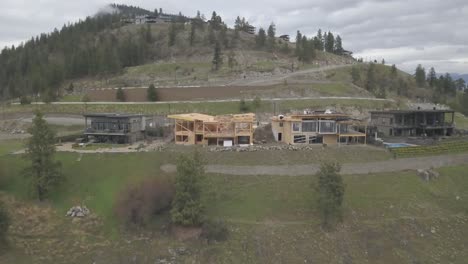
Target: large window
(296, 126)
(315, 139)
(327, 127)
(309, 126)
(300, 139)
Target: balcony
(93, 131)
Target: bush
(331, 191)
(215, 230)
(138, 204)
(24, 100)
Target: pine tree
(271, 36)
(192, 34)
(187, 208)
(217, 57)
(338, 49)
(172, 33)
(331, 189)
(44, 170)
(120, 95)
(298, 44)
(393, 71)
(420, 76)
(330, 42)
(319, 41)
(151, 94)
(260, 38)
(432, 77)
(371, 82)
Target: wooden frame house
(225, 130)
(318, 128)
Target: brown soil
(176, 94)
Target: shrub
(187, 208)
(215, 230)
(331, 192)
(24, 100)
(138, 204)
(120, 95)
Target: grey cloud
(403, 32)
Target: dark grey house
(408, 123)
(116, 128)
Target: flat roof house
(319, 127)
(115, 128)
(224, 130)
(417, 123)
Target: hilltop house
(413, 122)
(318, 127)
(116, 128)
(225, 130)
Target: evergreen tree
(243, 107)
(187, 208)
(271, 36)
(192, 34)
(44, 170)
(331, 189)
(172, 33)
(460, 84)
(260, 38)
(217, 57)
(371, 82)
(338, 49)
(383, 61)
(298, 44)
(151, 94)
(319, 41)
(393, 71)
(120, 95)
(420, 76)
(329, 42)
(432, 77)
(464, 103)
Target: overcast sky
(406, 33)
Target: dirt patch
(186, 233)
(176, 94)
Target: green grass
(461, 121)
(71, 98)
(8, 146)
(271, 218)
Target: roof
(249, 117)
(192, 117)
(112, 115)
(300, 117)
(412, 111)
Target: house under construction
(318, 127)
(224, 130)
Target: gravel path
(347, 168)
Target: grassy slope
(388, 217)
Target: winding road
(347, 168)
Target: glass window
(309, 126)
(300, 139)
(327, 127)
(296, 126)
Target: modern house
(116, 128)
(225, 130)
(284, 37)
(407, 123)
(318, 127)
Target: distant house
(406, 123)
(346, 53)
(250, 29)
(225, 130)
(318, 127)
(116, 128)
(284, 37)
(151, 19)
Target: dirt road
(347, 168)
